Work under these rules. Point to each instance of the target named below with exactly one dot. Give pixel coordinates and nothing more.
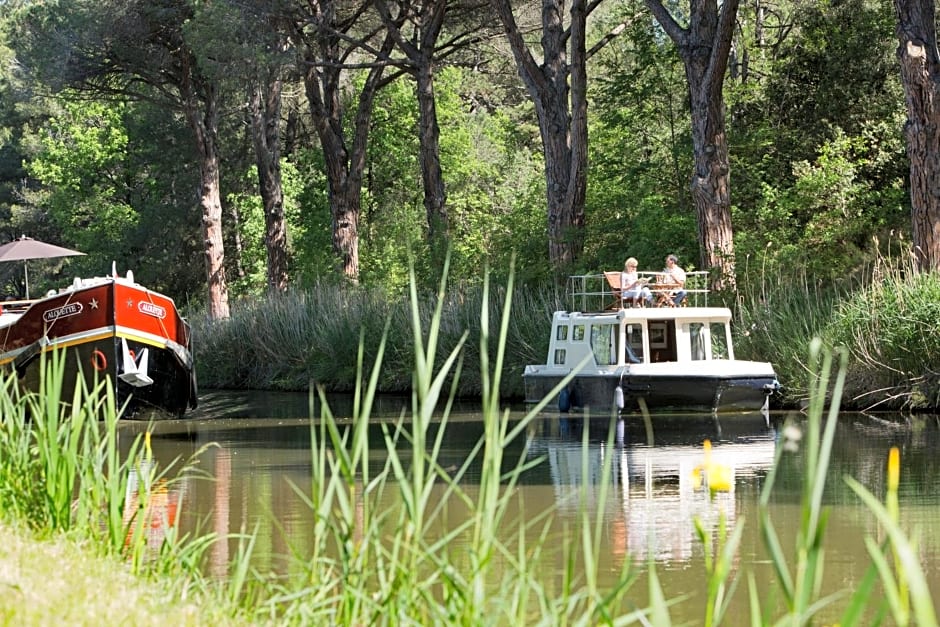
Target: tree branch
(665, 19)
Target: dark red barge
(109, 327)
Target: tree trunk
(435, 198)
(920, 71)
(705, 47)
(562, 123)
(265, 112)
(711, 188)
(205, 130)
(420, 46)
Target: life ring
(98, 360)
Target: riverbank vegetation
(883, 315)
(334, 223)
(374, 556)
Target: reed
(890, 330)
(284, 342)
(884, 315)
(64, 472)
(377, 556)
(777, 322)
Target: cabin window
(719, 341)
(577, 334)
(559, 356)
(562, 333)
(658, 336)
(697, 340)
(634, 348)
(604, 344)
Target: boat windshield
(719, 335)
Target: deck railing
(592, 292)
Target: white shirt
(676, 274)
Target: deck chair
(613, 280)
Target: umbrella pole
(26, 277)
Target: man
(672, 273)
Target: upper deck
(600, 292)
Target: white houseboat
(675, 358)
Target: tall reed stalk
(373, 561)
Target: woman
(632, 287)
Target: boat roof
(650, 313)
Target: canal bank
(59, 581)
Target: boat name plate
(69, 309)
(151, 309)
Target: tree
(139, 50)
(640, 151)
(419, 42)
(264, 56)
(558, 88)
(264, 110)
(704, 47)
(245, 42)
(427, 20)
(920, 75)
(327, 40)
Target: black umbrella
(26, 248)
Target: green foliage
(641, 154)
(81, 161)
(493, 184)
(890, 328)
(830, 209)
(818, 161)
(95, 163)
(251, 227)
(393, 224)
(312, 243)
(885, 316)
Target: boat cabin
(641, 335)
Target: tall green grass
(884, 315)
(64, 471)
(890, 329)
(375, 562)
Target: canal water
(255, 453)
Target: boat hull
(686, 393)
(107, 329)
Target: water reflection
(657, 494)
(151, 506)
(263, 460)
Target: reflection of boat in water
(657, 493)
(670, 358)
(151, 506)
